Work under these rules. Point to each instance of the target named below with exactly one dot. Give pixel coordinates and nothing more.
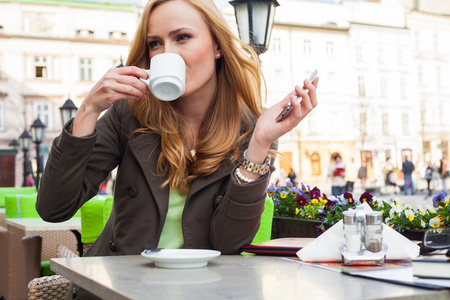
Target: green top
(172, 234)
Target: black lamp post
(37, 136)
(121, 63)
(255, 21)
(14, 144)
(68, 111)
(25, 143)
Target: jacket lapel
(146, 150)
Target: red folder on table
(278, 247)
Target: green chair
(265, 228)
(14, 206)
(13, 190)
(23, 206)
(94, 215)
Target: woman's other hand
(268, 130)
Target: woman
(337, 173)
(443, 172)
(189, 151)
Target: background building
(53, 50)
(382, 88)
(383, 67)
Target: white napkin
(326, 246)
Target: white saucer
(181, 258)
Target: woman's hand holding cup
(116, 84)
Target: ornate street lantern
(25, 143)
(68, 111)
(255, 21)
(37, 135)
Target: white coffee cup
(167, 76)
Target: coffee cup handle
(146, 81)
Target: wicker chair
(32, 249)
(46, 287)
(3, 262)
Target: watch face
(284, 112)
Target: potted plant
(301, 211)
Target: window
(405, 123)
(43, 110)
(278, 74)
(276, 45)
(420, 74)
(403, 87)
(436, 42)
(332, 84)
(417, 39)
(84, 33)
(381, 56)
(329, 48)
(85, 69)
(307, 47)
(358, 53)
(363, 123)
(117, 35)
(438, 75)
(2, 116)
(315, 164)
(383, 86)
(401, 56)
(385, 119)
(361, 86)
(40, 67)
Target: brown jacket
(219, 213)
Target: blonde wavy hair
(230, 119)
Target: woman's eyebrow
(171, 33)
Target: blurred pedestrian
(362, 173)
(428, 177)
(407, 169)
(337, 173)
(292, 176)
(443, 172)
(29, 180)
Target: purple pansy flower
(438, 198)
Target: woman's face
(177, 27)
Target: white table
(226, 277)
(2, 217)
(53, 234)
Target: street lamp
(25, 143)
(68, 111)
(14, 144)
(255, 21)
(37, 135)
(121, 63)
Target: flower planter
(290, 227)
(414, 234)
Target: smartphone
(285, 112)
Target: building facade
(51, 51)
(382, 89)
